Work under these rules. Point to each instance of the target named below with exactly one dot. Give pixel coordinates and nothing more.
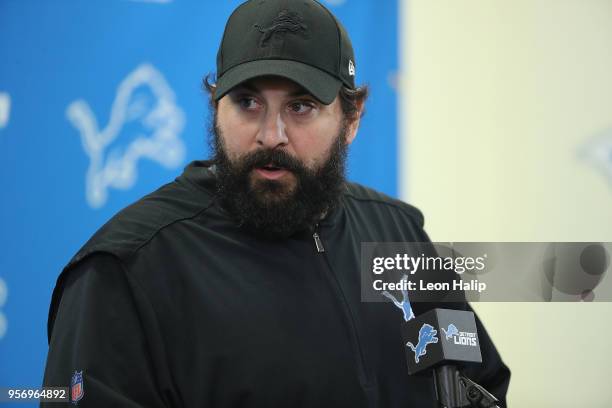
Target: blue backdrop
(100, 103)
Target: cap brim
(320, 84)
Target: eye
(301, 107)
(247, 103)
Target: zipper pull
(317, 240)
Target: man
(237, 285)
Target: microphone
(437, 341)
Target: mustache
(271, 157)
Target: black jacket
(170, 304)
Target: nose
(272, 133)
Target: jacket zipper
(317, 240)
(349, 314)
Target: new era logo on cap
(351, 68)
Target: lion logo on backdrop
(5, 109)
(145, 123)
(3, 296)
(598, 153)
(404, 305)
(335, 2)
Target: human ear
(353, 124)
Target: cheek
(313, 144)
(237, 134)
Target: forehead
(272, 83)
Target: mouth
(271, 172)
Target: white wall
(500, 101)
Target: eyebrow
(300, 91)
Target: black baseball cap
(299, 40)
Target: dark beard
(268, 207)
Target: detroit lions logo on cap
(285, 22)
